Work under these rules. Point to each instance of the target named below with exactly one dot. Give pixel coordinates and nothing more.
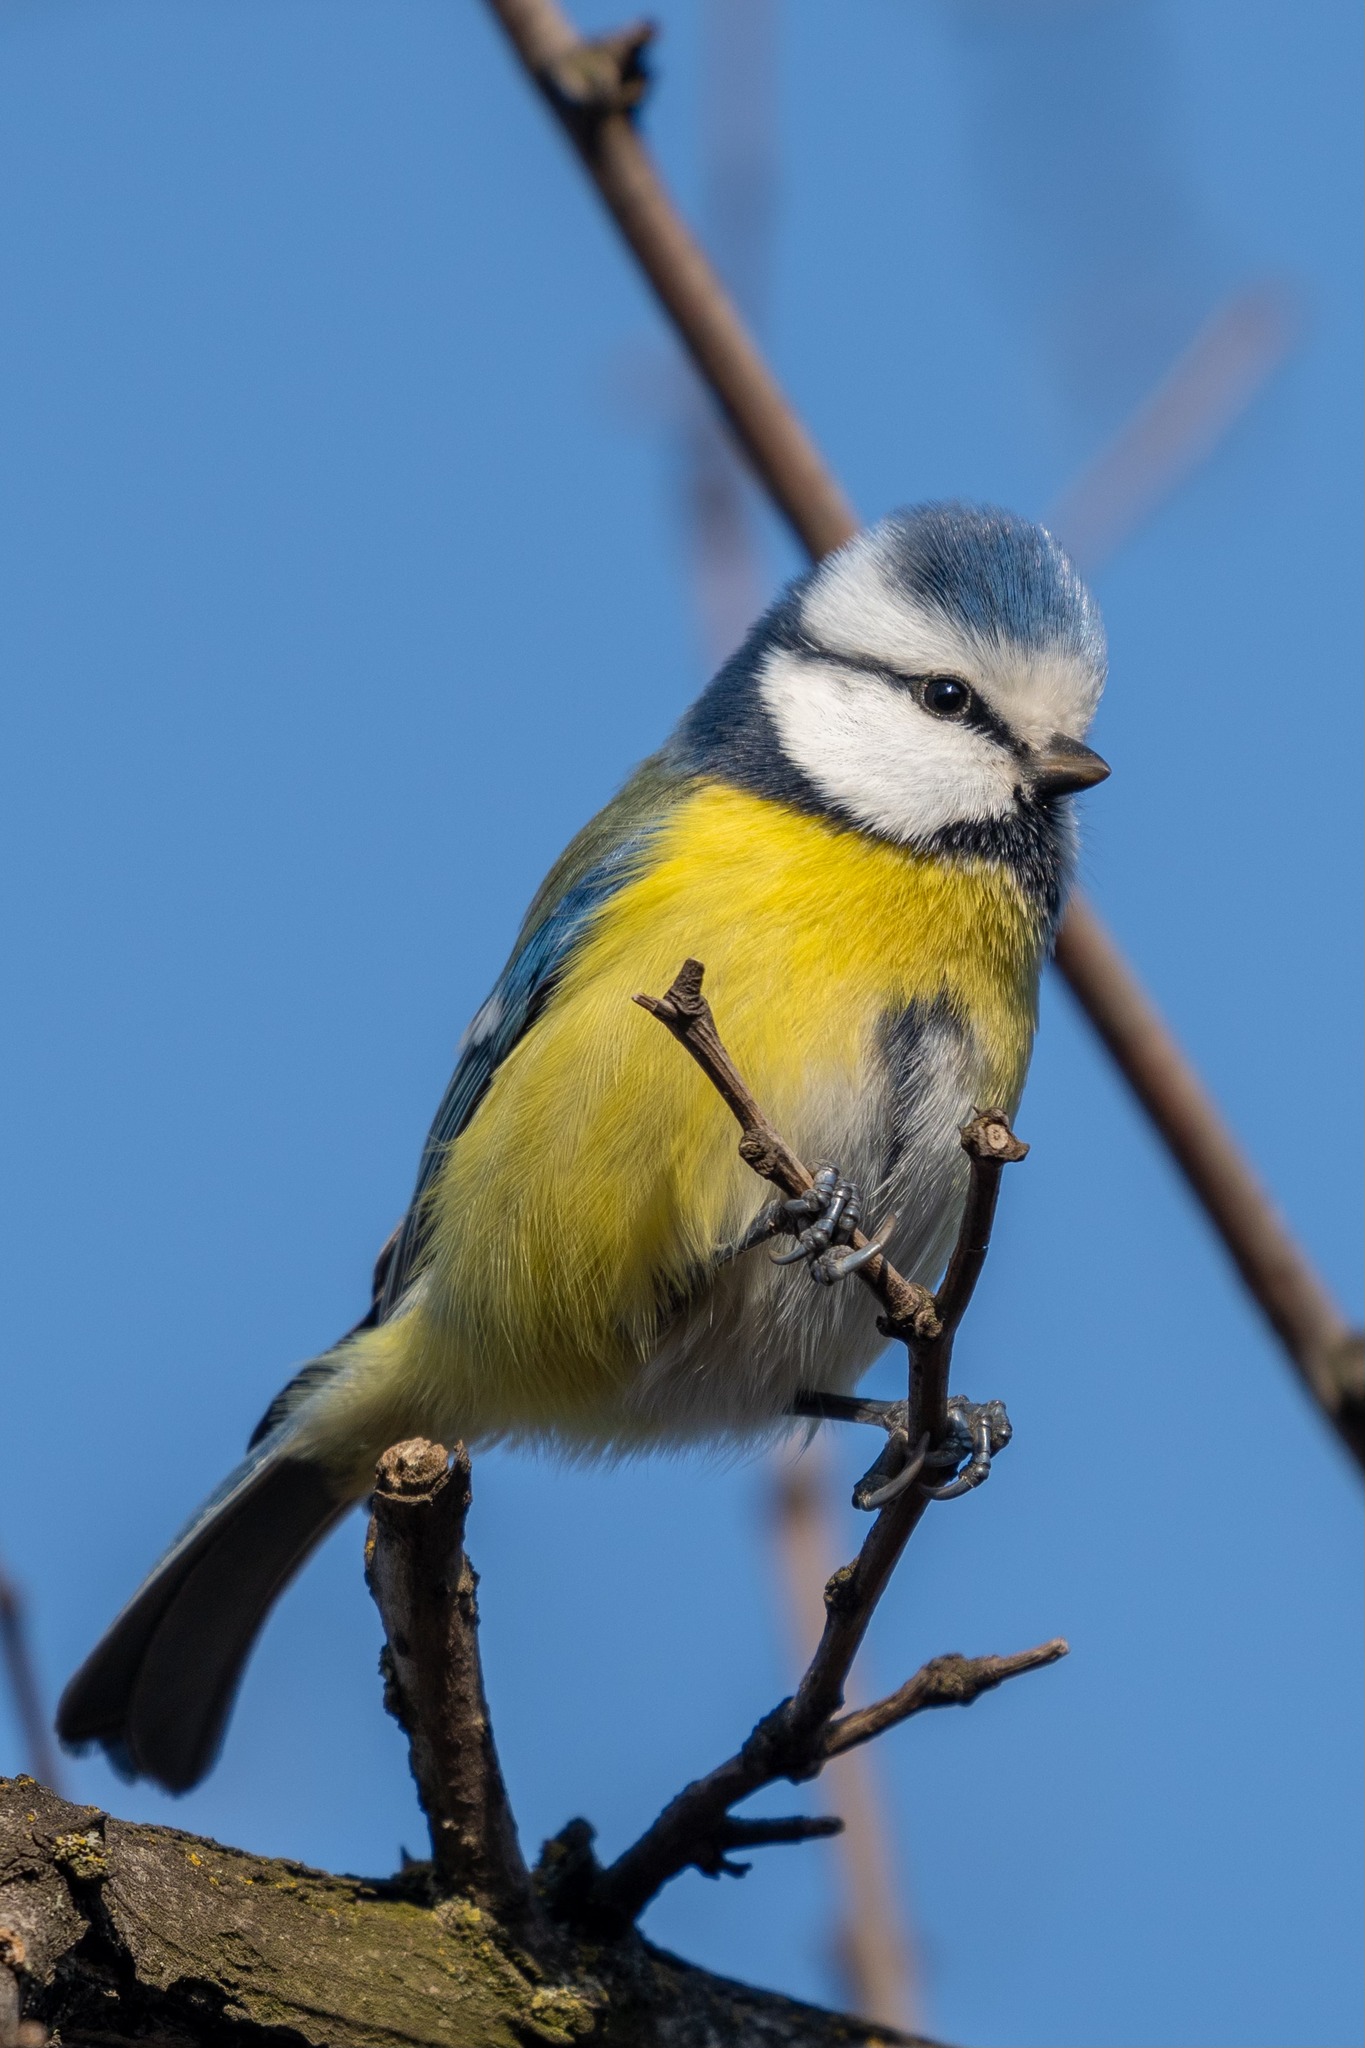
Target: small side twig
(425, 1589)
(952, 1681)
(714, 1858)
(687, 1831)
(798, 1738)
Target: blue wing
(606, 855)
(523, 989)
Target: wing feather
(527, 983)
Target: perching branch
(798, 1738)
(685, 1012)
(924, 1322)
(593, 88)
(425, 1589)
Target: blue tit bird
(863, 827)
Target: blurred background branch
(21, 1677)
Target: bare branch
(787, 464)
(684, 1011)
(943, 1682)
(730, 365)
(713, 1858)
(425, 1589)
(118, 1932)
(991, 1145)
(1293, 1298)
(873, 1938)
(793, 1741)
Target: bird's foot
(977, 1432)
(824, 1221)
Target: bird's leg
(823, 1219)
(768, 1223)
(895, 1468)
(977, 1431)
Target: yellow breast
(599, 1173)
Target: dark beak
(1063, 766)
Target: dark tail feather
(158, 1688)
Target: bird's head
(932, 681)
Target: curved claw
(835, 1208)
(978, 1468)
(856, 1258)
(827, 1270)
(895, 1486)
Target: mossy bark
(123, 1933)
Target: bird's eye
(946, 696)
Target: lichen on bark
(144, 1933)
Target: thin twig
(792, 1741)
(425, 1589)
(761, 1834)
(943, 1682)
(790, 468)
(872, 1940)
(685, 1012)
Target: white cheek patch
(870, 748)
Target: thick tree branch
(597, 117)
(118, 1933)
(425, 1589)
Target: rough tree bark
(118, 1933)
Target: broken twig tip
(989, 1136)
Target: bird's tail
(157, 1689)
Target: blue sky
(342, 577)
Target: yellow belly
(599, 1173)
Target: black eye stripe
(977, 714)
